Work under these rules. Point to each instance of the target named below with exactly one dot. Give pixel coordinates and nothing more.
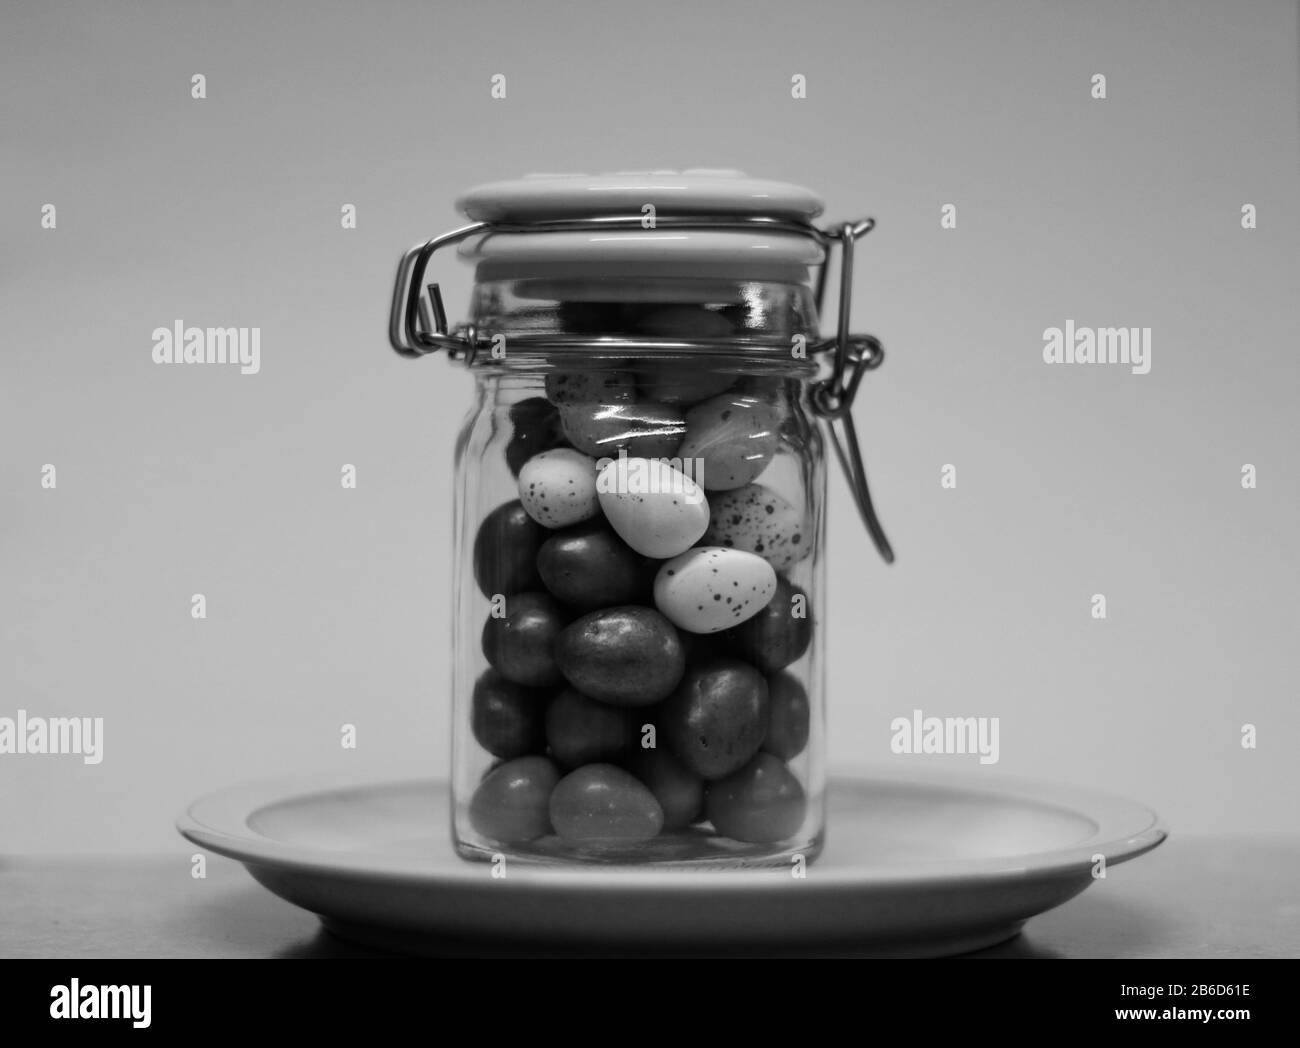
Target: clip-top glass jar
(639, 502)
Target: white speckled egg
(758, 520)
(734, 436)
(656, 509)
(558, 488)
(712, 588)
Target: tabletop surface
(1202, 897)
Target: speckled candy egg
(711, 588)
(734, 436)
(590, 387)
(758, 520)
(558, 488)
(656, 509)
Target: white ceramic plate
(915, 865)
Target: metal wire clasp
(833, 397)
(405, 332)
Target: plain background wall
(328, 606)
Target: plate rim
(218, 821)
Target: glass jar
(639, 505)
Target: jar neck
(761, 318)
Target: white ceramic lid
(695, 191)
(748, 254)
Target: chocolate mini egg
(715, 720)
(603, 804)
(519, 643)
(588, 566)
(678, 382)
(762, 803)
(512, 803)
(646, 429)
(758, 520)
(679, 791)
(787, 716)
(733, 436)
(582, 731)
(656, 509)
(505, 551)
(684, 321)
(627, 656)
(585, 317)
(558, 488)
(534, 427)
(712, 588)
(779, 634)
(508, 719)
